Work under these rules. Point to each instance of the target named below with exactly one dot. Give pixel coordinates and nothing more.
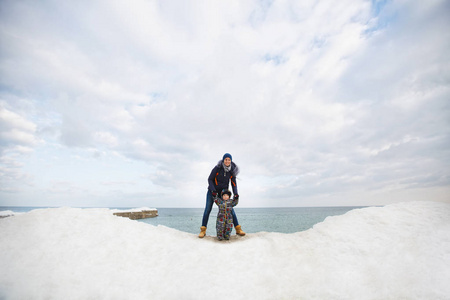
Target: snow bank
(133, 210)
(6, 213)
(400, 251)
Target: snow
(6, 213)
(400, 251)
(133, 210)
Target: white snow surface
(400, 251)
(133, 209)
(6, 213)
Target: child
(224, 223)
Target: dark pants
(209, 205)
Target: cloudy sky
(132, 103)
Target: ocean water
(252, 220)
(283, 220)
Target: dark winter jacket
(224, 223)
(219, 180)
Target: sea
(252, 220)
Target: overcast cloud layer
(115, 103)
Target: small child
(224, 223)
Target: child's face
(225, 197)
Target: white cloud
(312, 99)
(15, 129)
(106, 138)
(17, 140)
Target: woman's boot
(202, 232)
(239, 230)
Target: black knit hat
(225, 192)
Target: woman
(219, 179)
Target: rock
(135, 215)
(6, 213)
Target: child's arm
(217, 200)
(235, 200)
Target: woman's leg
(208, 208)
(235, 220)
(238, 228)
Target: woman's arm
(211, 178)
(234, 185)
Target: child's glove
(235, 200)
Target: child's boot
(202, 232)
(239, 230)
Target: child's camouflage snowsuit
(224, 223)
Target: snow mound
(6, 213)
(133, 209)
(400, 251)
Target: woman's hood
(234, 167)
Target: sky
(132, 103)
